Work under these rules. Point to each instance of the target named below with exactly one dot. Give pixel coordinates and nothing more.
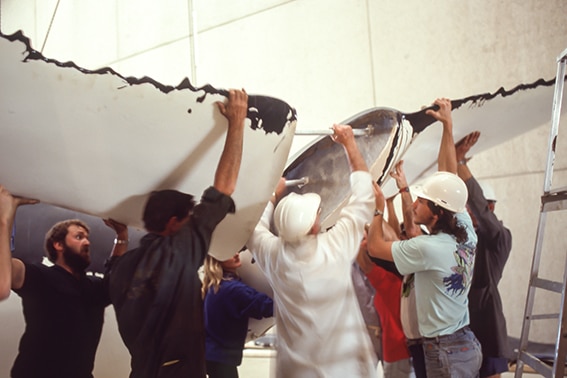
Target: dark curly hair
(447, 223)
(164, 204)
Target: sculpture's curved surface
(99, 143)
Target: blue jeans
(457, 355)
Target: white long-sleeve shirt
(320, 330)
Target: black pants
(220, 370)
(417, 359)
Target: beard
(75, 260)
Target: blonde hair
(212, 276)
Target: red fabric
(387, 302)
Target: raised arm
(398, 174)
(446, 160)
(229, 164)
(121, 241)
(377, 244)
(393, 220)
(343, 135)
(462, 148)
(10, 268)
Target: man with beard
(63, 307)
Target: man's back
(155, 291)
(320, 329)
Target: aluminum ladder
(551, 200)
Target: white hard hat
(296, 214)
(487, 191)
(444, 189)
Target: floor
(259, 362)
(259, 359)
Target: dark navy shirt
(485, 304)
(226, 318)
(64, 317)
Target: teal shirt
(443, 273)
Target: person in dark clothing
(494, 245)
(63, 307)
(229, 304)
(155, 289)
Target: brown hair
(58, 233)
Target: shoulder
(38, 270)
(361, 182)
(212, 196)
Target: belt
(411, 342)
(460, 331)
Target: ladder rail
(555, 116)
(561, 342)
(551, 201)
(526, 322)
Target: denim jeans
(457, 355)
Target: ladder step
(542, 283)
(536, 364)
(554, 200)
(543, 316)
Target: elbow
(372, 250)
(380, 250)
(225, 188)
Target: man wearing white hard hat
(442, 261)
(320, 330)
(494, 246)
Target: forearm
(392, 217)
(377, 245)
(364, 261)
(120, 244)
(411, 228)
(5, 259)
(463, 171)
(229, 163)
(447, 160)
(355, 158)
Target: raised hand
(463, 146)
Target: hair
(447, 223)
(162, 205)
(58, 233)
(213, 275)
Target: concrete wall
(331, 59)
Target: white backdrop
(331, 59)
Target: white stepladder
(551, 200)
